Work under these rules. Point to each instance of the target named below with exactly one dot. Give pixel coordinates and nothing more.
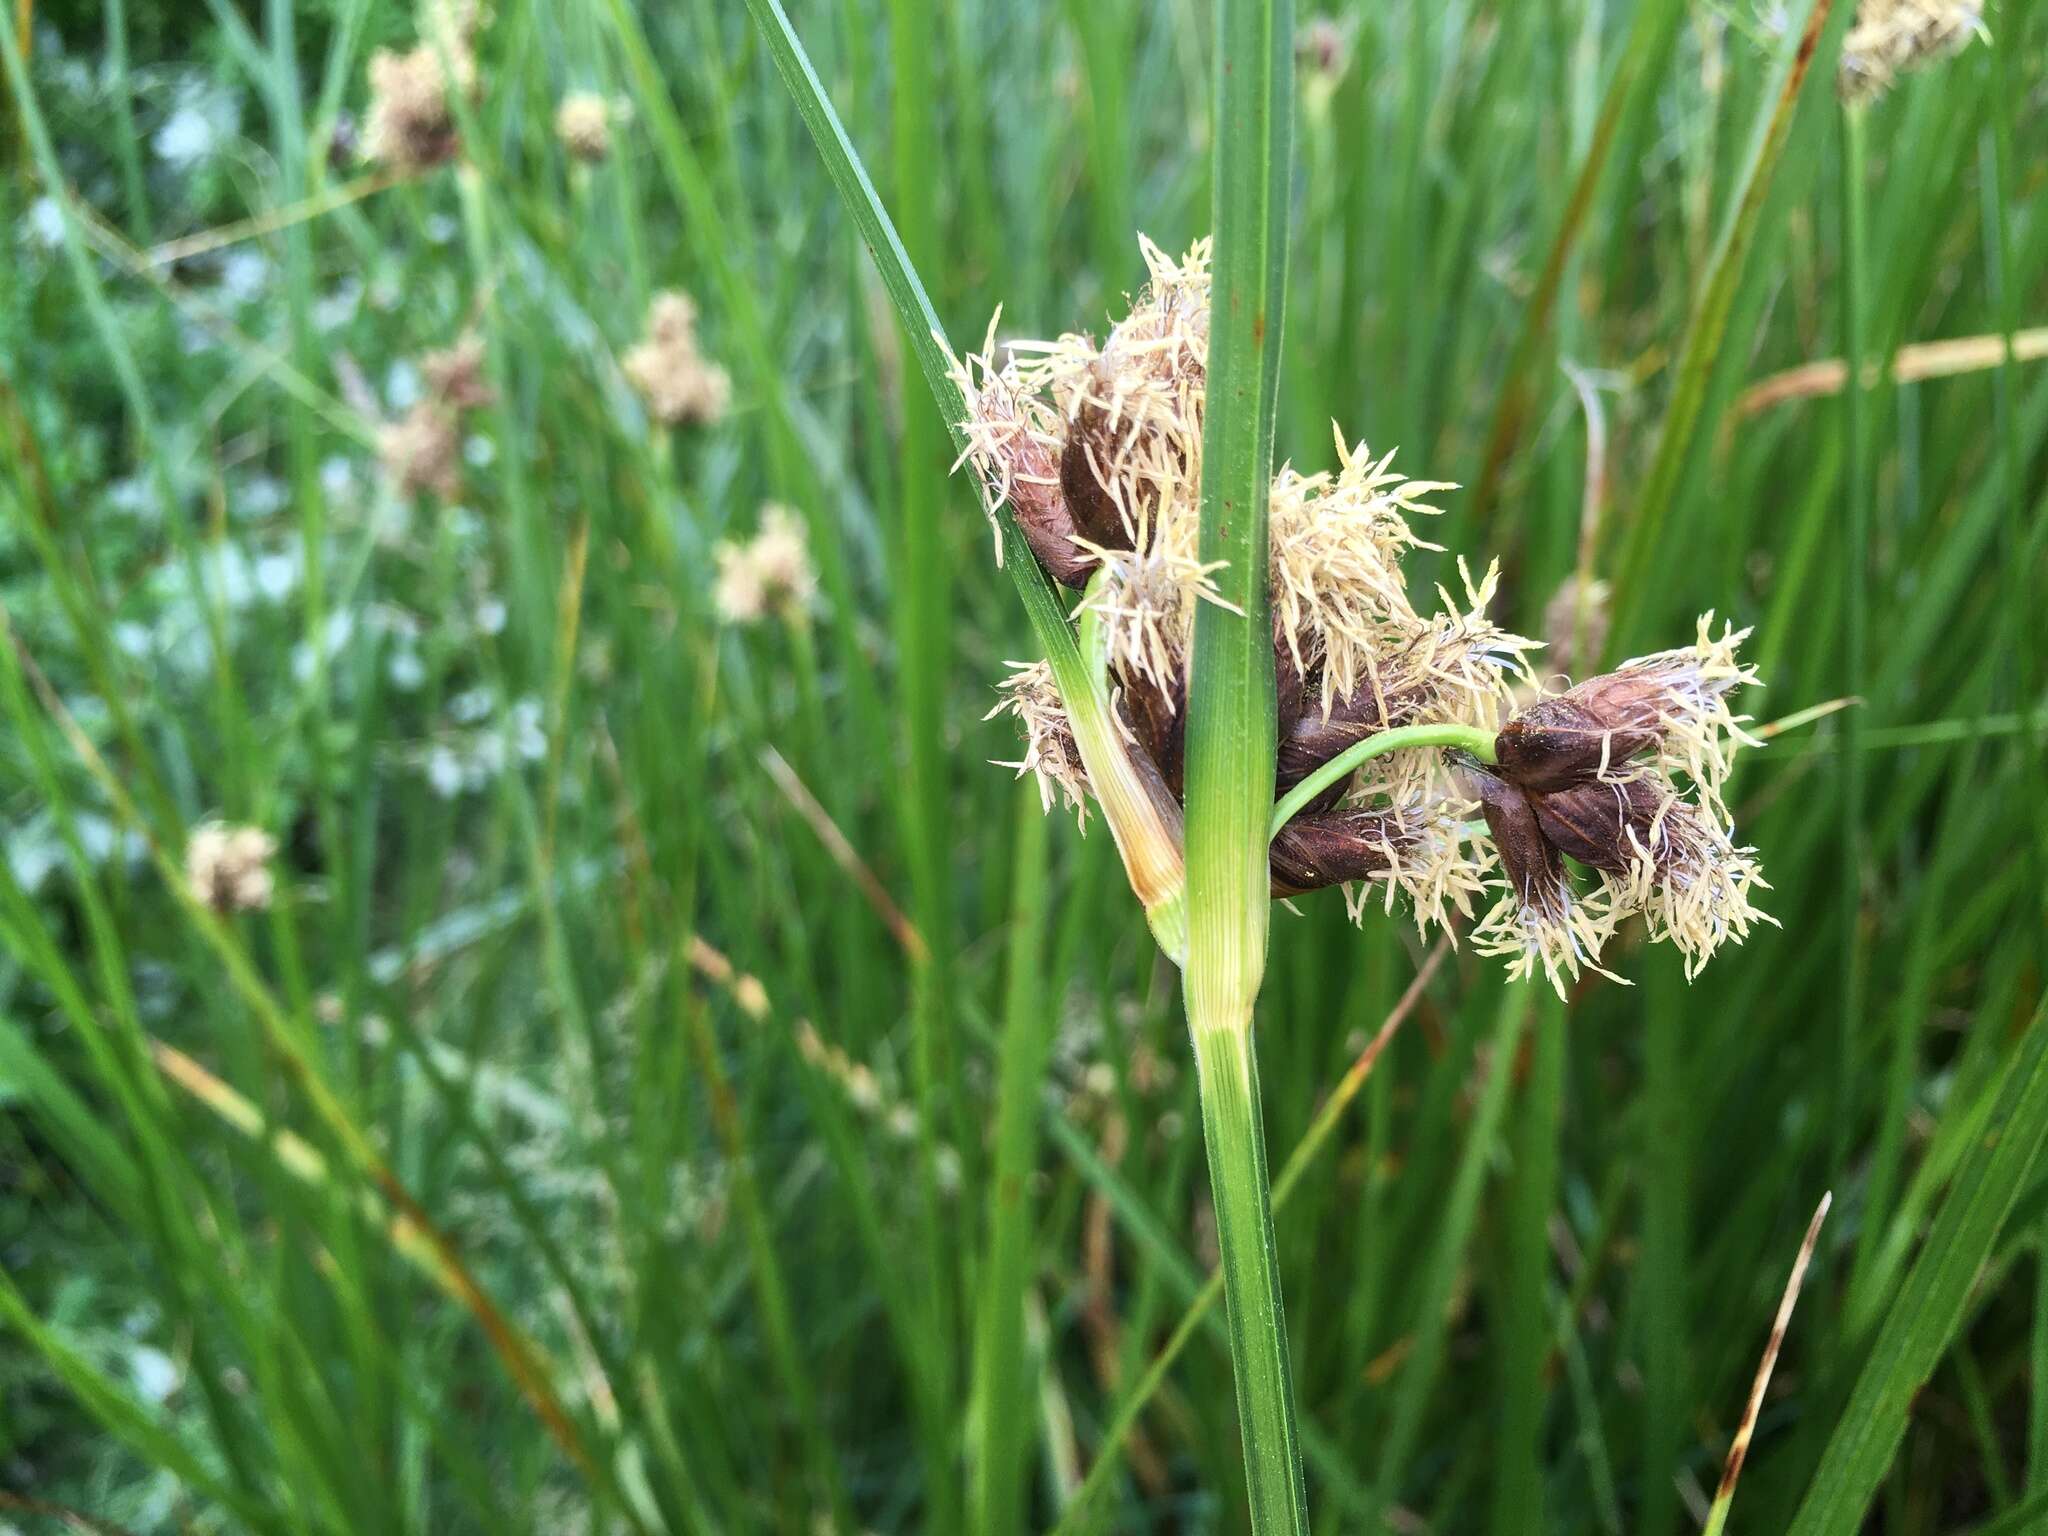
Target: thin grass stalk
(1856, 488)
(1709, 324)
(1149, 845)
(1000, 1443)
(1524, 1341)
(1455, 1213)
(2020, 621)
(1230, 729)
(1235, 1138)
(919, 600)
(1650, 34)
(1134, 1402)
(1930, 1306)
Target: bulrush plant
(1241, 681)
(1404, 769)
(1414, 753)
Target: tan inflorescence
(676, 380)
(1096, 449)
(412, 123)
(228, 867)
(770, 573)
(583, 124)
(422, 450)
(1893, 37)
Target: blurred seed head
(455, 375)
(411, 121)
(1575, 623)
(228, 866)
(771, 573)
(1892, 37)
(422, 450)
(583, 124)
(671, 375)
(1322, 47)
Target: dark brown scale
(1314, 851)
(1561, 743)
(1049, 529)
(1313, 740)
(1289, 689)
(1159, 719)
(1091, 451)
(1532, 863)
(1601, 824)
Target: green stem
(1465, 738)
(1855, 424)
(1230, 722)
(1236, 1141)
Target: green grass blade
(1929, 1307)
(1001, 1442)
(1709, 324)
(1230, 730)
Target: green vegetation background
(749, 1259)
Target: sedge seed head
(228, 866)
(583, 125)
(677, 382)
(1096, 448)
(1893, 37)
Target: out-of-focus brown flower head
(1894, 37)
(411, 123)
(672, 375)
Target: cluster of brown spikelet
(411, 123)
(675, 379)
(1891, 37)
(1097, 449)
(228, 866)
(422, 450)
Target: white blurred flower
(228, 867)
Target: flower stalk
(1232, 738)
(1469, 739)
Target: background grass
(891, 1249)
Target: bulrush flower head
(228, 867)
(1603, 771)
(769, 573)
(1671, 705)
(422, 450)
(411, 122)
(583, 124)
(672, 376)
(1892, 37)
(1097, 451)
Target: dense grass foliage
(679, 1085)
